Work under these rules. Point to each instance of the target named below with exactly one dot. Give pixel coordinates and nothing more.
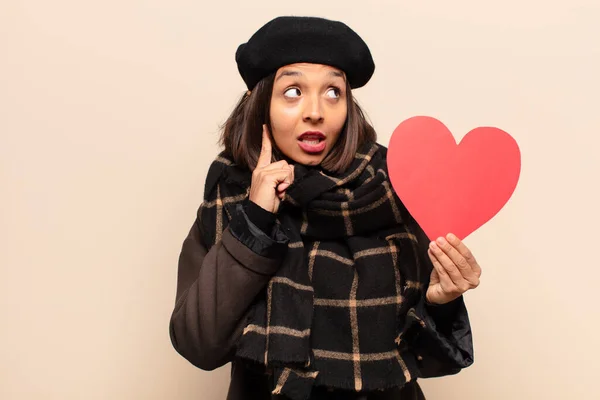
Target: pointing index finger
(265, 155)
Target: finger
(282, 186)
(281, 195)
(448, 265)
(436, 264)
(445, 280)
(457, 258)
(465, 252)
(434, 277)
(265, 155)
(284, 171)
(276, 177)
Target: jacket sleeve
(216, 287)
(440, 335)
(443, 340)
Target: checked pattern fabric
(334, 314)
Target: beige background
(109, 113)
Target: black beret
(289, 39)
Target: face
(308, 111)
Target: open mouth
(312, 142)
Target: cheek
(339, 121)
(283, 122)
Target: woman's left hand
(455, 270)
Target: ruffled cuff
(440, 337)
(243, 229)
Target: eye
(290, 92)
(336, 92)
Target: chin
(311, 160)
(303, 158)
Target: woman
(303, 268)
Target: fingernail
(432, 246)
(451, 236)
(441, 240)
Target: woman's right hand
(270, 180)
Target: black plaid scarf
(335, 312)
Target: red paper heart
(450, 188)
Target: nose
(313, 110)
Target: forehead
(310, 70)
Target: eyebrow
(298, 73)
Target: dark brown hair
(242, 132)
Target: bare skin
(307, 98)
(270, 180)
(455, 270)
